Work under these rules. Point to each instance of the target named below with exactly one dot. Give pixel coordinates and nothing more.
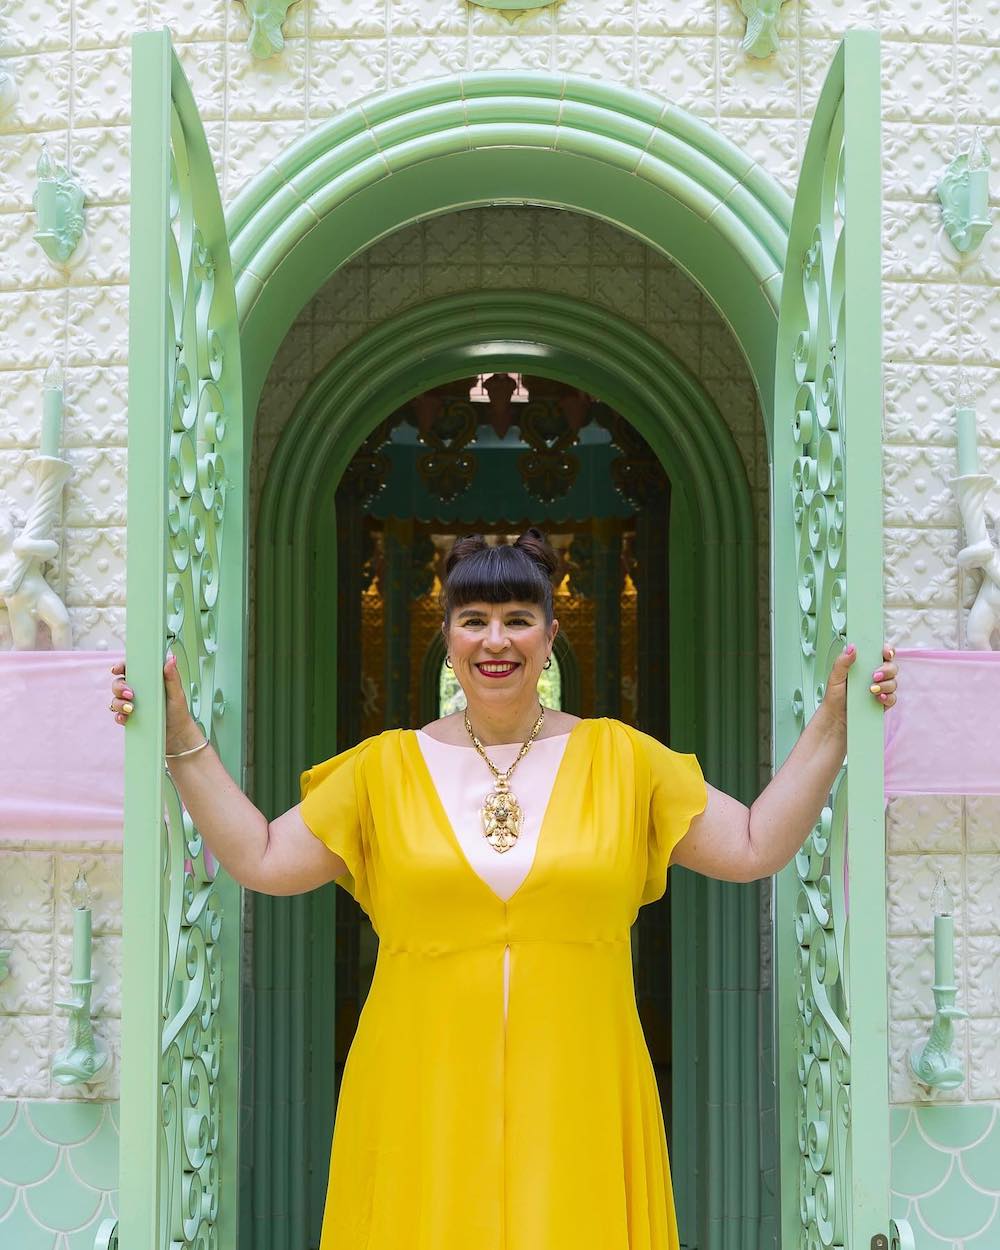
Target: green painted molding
(713, 593)
(645, 165)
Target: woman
(498, 1094)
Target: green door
(830, 933)
(180, 984)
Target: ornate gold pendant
(502, 817)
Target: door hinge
(880, 1242)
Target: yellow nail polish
(875, 689)
(127, 707)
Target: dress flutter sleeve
(334, 807)
(677, 794)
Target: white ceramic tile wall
(941, 76)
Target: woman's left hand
(882, 684)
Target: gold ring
(112, 707)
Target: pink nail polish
(883, 697)
(878, 676)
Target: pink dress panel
(462, 781)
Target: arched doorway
(709, 560)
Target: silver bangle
(172, 755)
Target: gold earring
(447, 662)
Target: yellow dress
(456, 1129)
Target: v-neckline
(445, 821)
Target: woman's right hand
(181, 729)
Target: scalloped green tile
(981, 1163)
(989, 1238)
(24, 1157)
(7, 1112)
(956, 1209)
(899, 1118)
(21, 1231)
(926, 1240)
(61, 1201)
(65, 1123)
(955, 1127)
(917, 1167)
(96, 1162)
(8, 1196)
(84, 1239)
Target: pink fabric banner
(943, 735)
(62, 765)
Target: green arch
(643, 164)
(713, 641)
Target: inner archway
(712, 563)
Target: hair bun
(534, 544)
(462, 547)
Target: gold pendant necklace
(501, 812)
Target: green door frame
(713, 690)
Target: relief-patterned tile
(921, 567)
(977, 71)
(919, 403)
(982, 874)
(416, 60)
(984, 1058)
(922, 627)
(27, 891)
(913, 157)
(751, 86)
(982, 996)
(101, 160)
(102, 87)
(28, 987)
(912, 242)
(98, 324)
(919, 322)
(918, 487)
(982, 824)
(25, 1056)
(924, 824)
(917, 83)
(682, 71)
(275, 87)
(95, 493)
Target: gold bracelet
(172, 755)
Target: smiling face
(498, 651)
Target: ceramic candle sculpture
(933, 1061)
(972, 489)
(28, 596)
(81, 1060)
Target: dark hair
(478, 572)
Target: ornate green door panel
(830, 915)
(180, 1057)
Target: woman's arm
(282, 856)
(734, 842)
